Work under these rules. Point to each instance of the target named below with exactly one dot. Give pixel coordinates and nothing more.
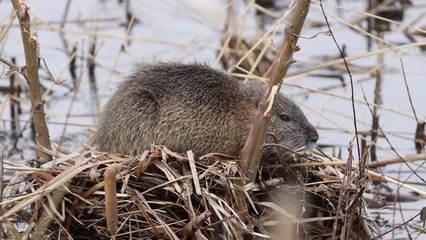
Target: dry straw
(163, 195)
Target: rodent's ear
(146, 101)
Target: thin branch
(361, 161)
(408, 91)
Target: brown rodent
(193, 107)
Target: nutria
(193, 107)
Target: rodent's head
(289, 126)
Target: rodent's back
(184, 107)
(191, 107)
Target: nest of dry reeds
(163, 195)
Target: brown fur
(193, 107)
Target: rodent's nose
(313, 135)
(312, 138)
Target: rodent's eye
(284, 117)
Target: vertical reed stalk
(251, 153)
(377, 102)
(30, 43)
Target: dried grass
(163, 195)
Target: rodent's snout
(312, 138)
